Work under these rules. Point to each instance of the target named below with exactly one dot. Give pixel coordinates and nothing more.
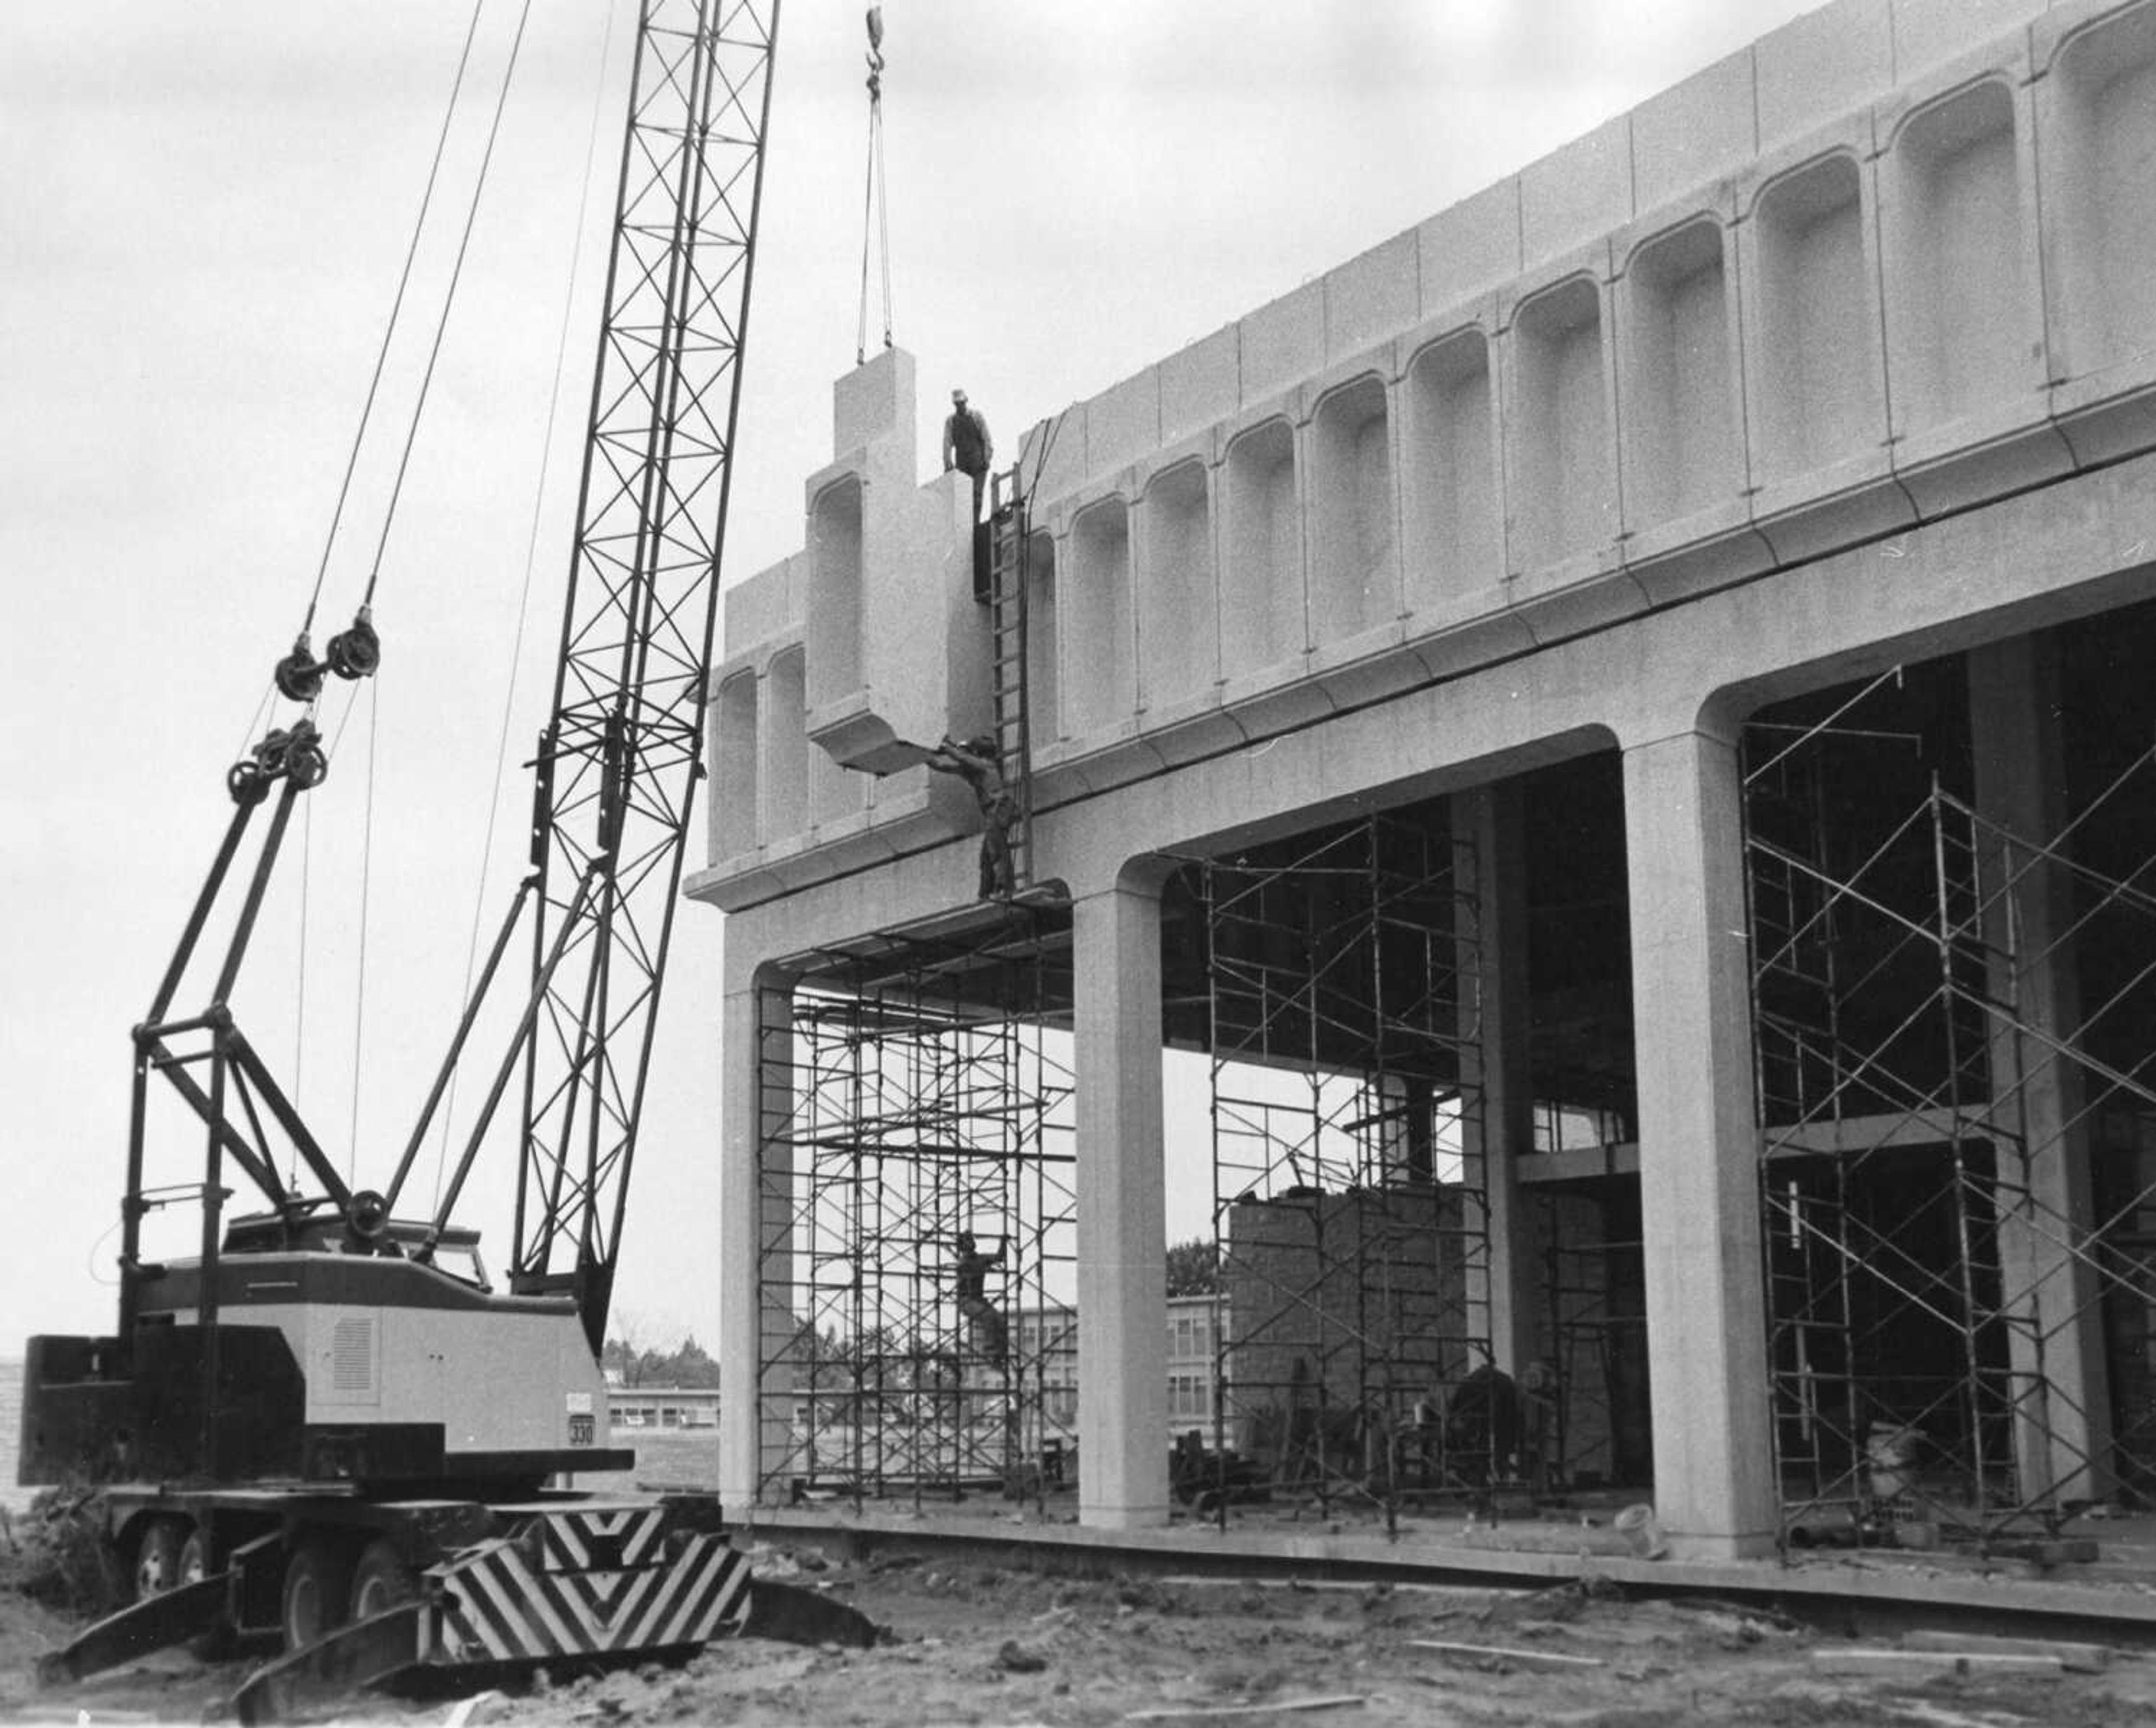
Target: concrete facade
(1839, 353)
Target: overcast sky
(203, 210)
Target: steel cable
(396, 306)
(374, 571)
(449, 299)
(336, 520)
(300, 1012)
(366, 884)
(530, 562)
(875, 219)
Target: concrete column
(1699, 1180)
(1122, 1212)
(1489, 819)
(756, 1326)
(2063, 1440)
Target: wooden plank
(1502, 1653)
(2077, 1658)
(1346, 1586)
(1876, 1663)
(1245, 1712)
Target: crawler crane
(328, 1423)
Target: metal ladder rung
(1008, 535)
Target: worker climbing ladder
(1008, 535)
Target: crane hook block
(298, 675)
(355, 652)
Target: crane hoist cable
(448, 301)
(531, 563)
(875, 215)
(355, 652)
(300, 991)
(389, 328)
(366, 903)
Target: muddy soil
(972, 1643)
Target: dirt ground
(967, 1643)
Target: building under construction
(1608, 723)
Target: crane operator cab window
(454, 1252)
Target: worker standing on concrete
(979, 764)
(985, 1325)
(1482, 1426)
(967, 445)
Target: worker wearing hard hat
(967, 445)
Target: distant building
(663, 1407)
(1197, 1327)
(1196, 1331)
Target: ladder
(1008, 533)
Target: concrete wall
(844, 660)
(1336, 1296)
(1888, 262)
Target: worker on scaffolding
(967, 446)
(979, 764)
(985, 1325)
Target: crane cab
(388, 1362)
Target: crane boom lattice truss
(623, 751)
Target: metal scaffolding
(1349, 1204)
(913, 1095)
(1594, 1292)
(1959, 1151)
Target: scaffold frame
(1350, 1214)
(912, 1094)
(1594, 1294)
(1957, 1180)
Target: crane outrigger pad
(603, 1584)
(154, 1624)
(375, 1652)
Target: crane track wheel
(317, 1590)
(381, 1580)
